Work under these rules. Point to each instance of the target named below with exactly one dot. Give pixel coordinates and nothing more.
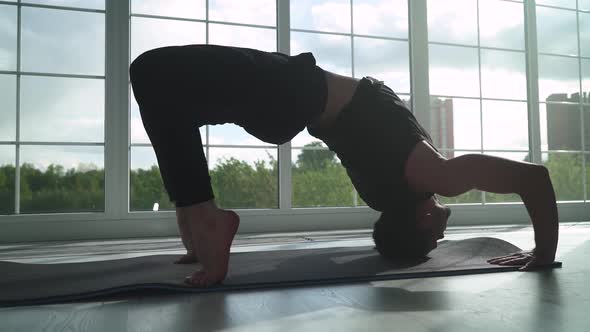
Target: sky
(72, 109)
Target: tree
(314, 160)
(318, 180)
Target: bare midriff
(340, 92)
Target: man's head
(411, 233)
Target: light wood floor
(557, 300)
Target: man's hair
(397, 236)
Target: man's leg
(183, 166)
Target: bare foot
(183, 218)
(187, 258)
(212, 237)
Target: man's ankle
(202, 208)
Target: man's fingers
(530, 265)
(514, 261)
(503, 258)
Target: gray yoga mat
(23, 284)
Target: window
(243, 169)
(360, 38)
(478, 82)
(481, 91)
(564, 104)
(52, 107)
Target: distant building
(563, 122)
(441, 123)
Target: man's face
(432, 216)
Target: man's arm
(498, 175)
(428, 171)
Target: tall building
(441, 124)
(563, 122)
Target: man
(389, 157)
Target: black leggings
(373, 137)
(180, 88)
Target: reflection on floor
(556, 300)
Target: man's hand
(529, 260)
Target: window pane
(320, 180)
(470, 197)
(149, 33)
(62, 109)
(62, 179)
(504, 198)
(503, 75)
(146, 186)
(245, 178)
(232, 134)
(501, 24)
(138, 134)
(7, 182)
(565, 170)
(87, 4)
(331, 52)
(321, 15)
(59, 41)
(381, 18)
(257, 38)
(452, 21)
(584, 4)
(173, 8)
(390, 64)
(559, 77)
(462, 121)
(585, 34)
(259, 12)
(562, 123)
(557, 31)
(558, 3)
(587, 127)
(505, 125)
(7, 108)
(586, 79)
(8, 37)
(454, 71)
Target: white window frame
(118, 222)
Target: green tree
(566, 175)
(236, 184)
(147, 188)
(320, 180)
(315, 160)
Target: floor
(556, 300)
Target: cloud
(384, 18)
(557, 31)
(7, 37)
(62, 109)
(259, 12)
(88, 4)
(59, 41)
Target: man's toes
(202, 279)
(186, 259)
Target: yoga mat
(24, 284)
